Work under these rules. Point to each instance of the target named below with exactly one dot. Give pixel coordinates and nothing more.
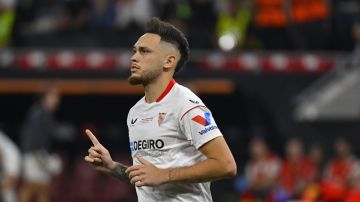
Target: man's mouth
(134, 68)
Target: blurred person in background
(316, 157)
(353, 194)
(103, 14)
(345, 13)
(353, 61)
(52, 23)
(176, 146)
(131, 17)
(7, 19)
(271, 20)
(80, 23)
(133, 13)
(10, 158)
(310, 24)
(36, 17)
(233, 23)
(297, 172)
(340, 173)
(261, 172)
(175, 12)
(201, 24)
(36, 141)
(75, 16)
(312, 192)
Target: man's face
(258, 149)
(147, 60)
(342, 147)
(52, 99)
(356, 33)
(294, 150)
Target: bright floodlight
(227, 42)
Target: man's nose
(134, 57)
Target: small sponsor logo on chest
(133, 121)
(147, 120)
(160, 119)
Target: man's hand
(146, 174)
(99, 157)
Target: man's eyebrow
(142, 47)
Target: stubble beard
(145, 78)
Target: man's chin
(133, 80)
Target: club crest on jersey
(205, 121)
(161, 118)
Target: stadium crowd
(243, 24)
(300, 175)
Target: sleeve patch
(204, 121)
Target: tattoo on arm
(119, 172)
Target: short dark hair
(170, 34)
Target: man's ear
(170, 62)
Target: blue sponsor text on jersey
(202, 132)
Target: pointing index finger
(92, 137)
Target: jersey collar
(167, 90)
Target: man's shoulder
(185, 95)
(186, 99)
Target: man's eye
(144, 51)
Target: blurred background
(282, 78)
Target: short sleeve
(198, 125)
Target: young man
(175, 143)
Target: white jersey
(10, 155)
(168, 133)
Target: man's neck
(154, 89)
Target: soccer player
(176, 146)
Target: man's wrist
(108, 169)
(112, 165)
(118, 170)
(168, 175)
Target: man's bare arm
(219, 164)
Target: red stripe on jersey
(192, 109)
(166, 91)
